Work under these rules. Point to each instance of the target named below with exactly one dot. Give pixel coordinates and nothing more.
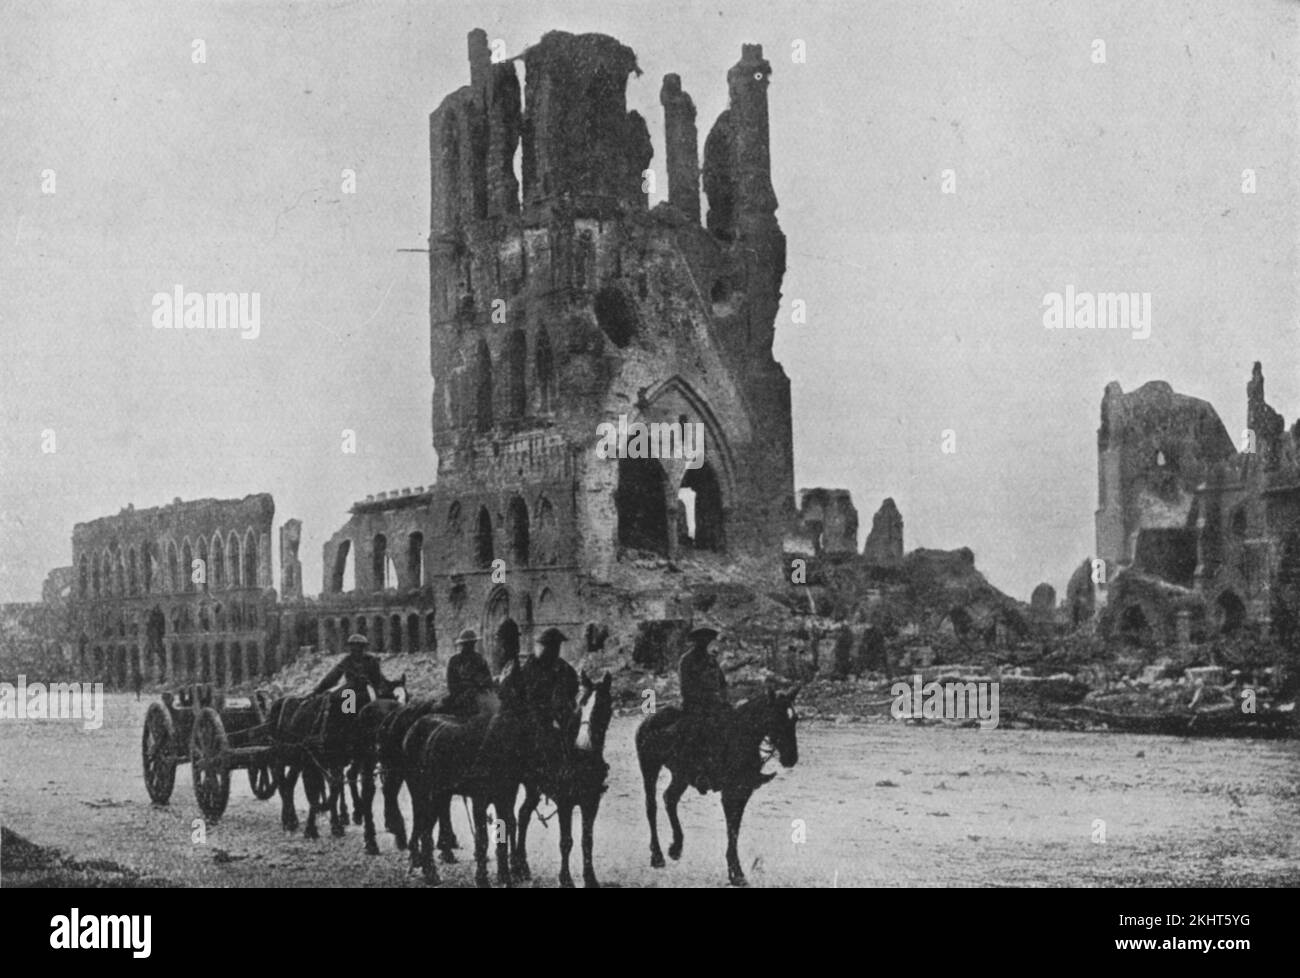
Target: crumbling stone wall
(560, 301)
(176, 593)
(884, 545)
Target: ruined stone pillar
(682, 142)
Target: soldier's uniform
(549, 689)
(467, 676)
(705, 707)
(357, 670)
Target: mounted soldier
(705, 708)
(358, 671)
(468, 676)
(549, 688)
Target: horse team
(488, 749)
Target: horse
(482, 758)
(660, 743)
(314, 736)
(580, 784)
(383, 727)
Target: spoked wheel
(264, 779)
(208, 747)
(158, 749)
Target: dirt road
(877, 804)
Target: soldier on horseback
(549, 688)
(357, 670)
(468, 675)
(704, 707)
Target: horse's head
(779, 725)
(595, 708)
(397, 690)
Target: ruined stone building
(179, 592)
(559, 301)
(1199, 538)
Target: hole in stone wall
(640, 502)
(616, 316)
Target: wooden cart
(194, 724)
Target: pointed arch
(234, 559)
(251, 577)
(544, 369)
(483, 550)
(483, 381)
(516, 373)
(517, 532)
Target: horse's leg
(365, 806)
(313, 787)
(358, 815)
(446, 837)
(565, 810)
(504, 823)
(589, 808)
(479, 805)
(391, 781)
(338, 808)
(733, 807)
(650, 782)
(672, 795)
(419, 805)
(519, 860)
(288, 781)
(432, 806)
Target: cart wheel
(264, 780)
(158, 748)
(208, 764)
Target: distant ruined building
(555, 304)
(1200, 536)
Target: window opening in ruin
(1133, 626)
(1232, 613)
(616, 316)
(545, 367)
(517, 531)
(234, 558)
(483, 403)
(703, 500)
(251, 577)
(379, 562)
(217, 572)
(1160, 459)
(640, 503)
(516, 374)
(483, 539)
(415, 561)
(344, 576)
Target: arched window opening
(641, 503)
(483, 553)
(517, 531)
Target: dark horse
(485, 759)
(659, 744)
(580, 784)
(315, 736)
(381, 732)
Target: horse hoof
(338, 831)
(590, 882)
(521, 871)
(657, 860)
(566, 882)
(357, 818)
(400, 843)
(310, 832)
(738, 879)
(447, 856)
(372, 847)
(675, 851)
(482, 882)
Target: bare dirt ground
(881, 804)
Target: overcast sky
(924, 309)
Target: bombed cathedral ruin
(557, 302)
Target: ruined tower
(559, 300)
